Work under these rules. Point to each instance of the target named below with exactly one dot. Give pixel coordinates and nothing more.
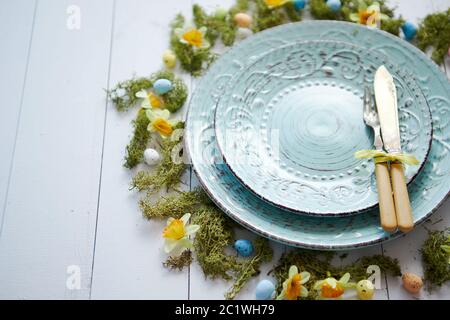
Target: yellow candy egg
(411, 282)
(169, 59)
(365, 289)
(243, 20)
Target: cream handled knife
(386, 99)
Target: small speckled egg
(299, 4)
(243, 33)
(162, 86)
(412, 282)
(334, 5)
(409, 30)
(365, 290)
(243, 247)
(151, 157)
(169, 59)
(221, 13)
(243, 20)
(265, 290)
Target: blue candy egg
(334, 5)
(409, 30)
(162, 86)
(299, 4)
(265, 290)
(243, 247)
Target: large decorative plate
(289, 124)
(427, 192)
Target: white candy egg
(151, 157)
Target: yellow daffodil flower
(150, 100)
(293, 287)
(370, 16)
(177, 233)
(275, 3)
(330, 288)
(160, 122)
(193, 36)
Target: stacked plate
(273, 127)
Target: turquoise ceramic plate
(427, 191)
(289, 124)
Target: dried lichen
(123, 95)
(179, 262)
(435, 260)
(434, 31)
(192, 60)
(320, 10)
(215, 234)
(167, 174)
(318, 264)
(141, 136)
(174, 205)
(265, 18)
(250, 267)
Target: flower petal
(305, 277)
(170, 245)
(192, 229)
(282, 294)
(185, 218)
(345, 278)
(293, 270)
(303, 292)
(141, 94)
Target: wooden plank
(48, 232)
(129, 249)
(406, 249)
(16, 24)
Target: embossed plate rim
(406, 76)
(437, 92)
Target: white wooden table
(65, 210)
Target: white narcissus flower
(193, 36)
(293, 287)
(331, 288)
(160, 122)
(177, 233)
(369, 16)
(150, 100)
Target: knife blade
(386, 99)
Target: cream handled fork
(385, 199)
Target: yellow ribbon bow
(381, 156)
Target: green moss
(265, 18)
(435, 260)
(320, 11)
(175, 98)
(174, 205)
(434, 32)
(392, 26)
(215, 234)
(141, 137)
(250, 267)
(293, 14)
(318, 264)
(167, 174)
(179, 262)
(192, 60)
(123, 95)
